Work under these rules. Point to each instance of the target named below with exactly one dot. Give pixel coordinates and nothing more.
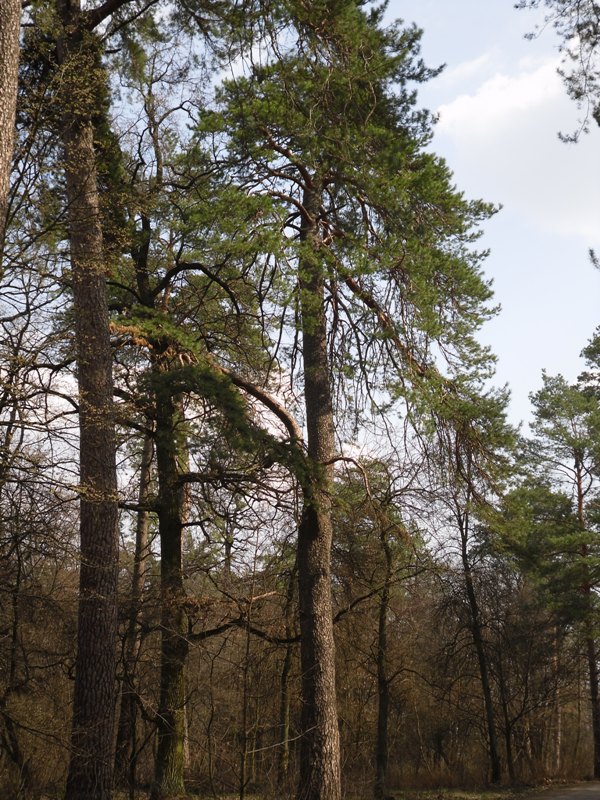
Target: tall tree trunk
(10, 19)
(170, 755)
(319, 749)
(482, 661)
(125, 747)
(91, 763)
(172, 507)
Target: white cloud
(499, 99)
(466, 70)
(502, 142)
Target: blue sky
(501, 105)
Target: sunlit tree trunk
(91, 763)
(10, 18)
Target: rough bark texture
(91, 763)
(10, 18)
(319, 751)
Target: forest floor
(579, 791)
(575, 791)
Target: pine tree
(78, 103)
(566, 432)
(379, 265)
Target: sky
(501, 106)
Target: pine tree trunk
(10, 19)
(319, 750)
(172, 507)
(91, 763)
(170, 755)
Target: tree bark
(170, 755)
(171, 458)
(91, 763)
(319, 749)
(10, 20)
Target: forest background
(265, 526)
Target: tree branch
(263, 396)
(95, 16)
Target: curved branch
(269, 401)
(95, 16)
